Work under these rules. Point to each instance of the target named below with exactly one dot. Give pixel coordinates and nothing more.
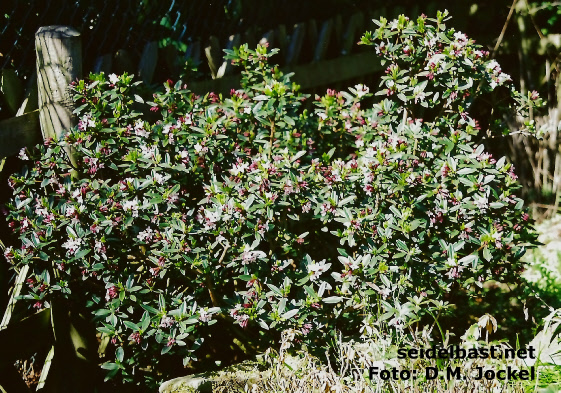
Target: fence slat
(103, 64)
(295, 46)
(326, 72)
(213, 55)
(148, 62)
(194, 52)
(122, 62)
(268, 37)
(338, 27)
(312, 32)
(30, 99)
(18, 132)
(12, 89)
(349, 38)
(323, 40)
(226, 67)
(282, 38)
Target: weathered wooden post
(59, 62)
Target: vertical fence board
(122, 62)
(312, 32)
(295, 46)
(12, 89)
(269, 38)
(282, 38)
(226, 67)
(59, 62)
(323, 40)
(148, 62)
(356, 22)
(212, 51)
(30, 99)
(103, 64)
(194, 52)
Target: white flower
(361, 90)
(147, 151)
(322, 116)
(247, 110)
(318, 268)
(239, 168)
(145, 235)
(167, 321)
(132, 206)
(77, 194)
(348, 261)
(159, 178)
(493, 67)
(85, 123)
(72, 245)
(481, 202)
(166, 129)
(70, 210)
(460, 38)
(22, 154)
(113, 78)
(204, 316)
(139, 129)
(198, 148)
(250, 256)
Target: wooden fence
(320, 54)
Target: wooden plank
(148, 62)
(18, 132)
(350, 38)
(295, 45)
(327, 72)
(338, 27)
(323, 40)
(282, 38)
(12, 89)
(122, 62)
(59, 62)
(312, 32)
(249, 37)
(322, 73)
(213, 55)
(194, 52)
(103, 64)
(226, 67)
(30, 100)
(268, 38)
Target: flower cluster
(252, 212)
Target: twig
(272, 136)
(501, 36)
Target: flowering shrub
(255, 210)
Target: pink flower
(135, 337)
(112, 293)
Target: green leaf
(120, 354)
(333, 299)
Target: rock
(232, 379)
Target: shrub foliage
(266, 211)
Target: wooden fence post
(59, 62)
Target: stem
(501, 36)
(211, 292)
(271, 137)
